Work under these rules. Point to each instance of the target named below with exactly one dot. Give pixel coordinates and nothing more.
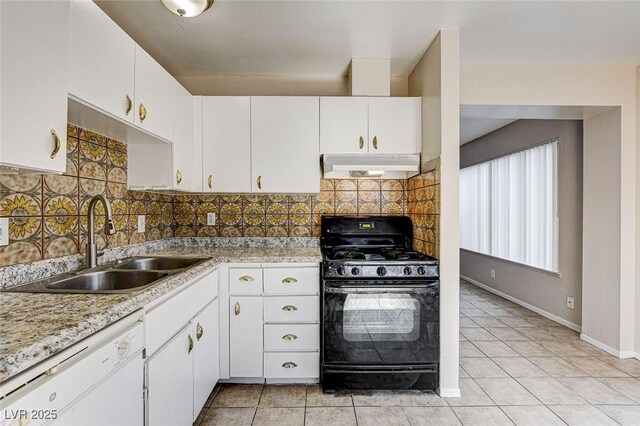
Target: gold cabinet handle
(375, 142)
(142, 111)
(289, 365)
(259, 182)
(236, 308)
(199, 331)
(289, 308)
(361, 142)
(246, 278)
(129, 105)
(289, 280)
(190, 343)
(56, 143)
(210, 181)
(178, 177)
(289, 337)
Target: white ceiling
(473, 128)
(318, 38)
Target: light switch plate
(493, 273)
(211, 219)
(4, 231)
(142, 223)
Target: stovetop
(374, 254)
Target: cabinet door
(101, 61)
(245, 336)
(226, 143)
(206, 355)
(285, 148)
(182, 174)
(343, 125)
(154, 92)
(34, 49)
(394, 125)
(170, 382)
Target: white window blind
(509, 207)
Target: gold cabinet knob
(289, 365)
(375, 142)
(361, 142)
(246, 278)
(56, 143)
(289, 337)
(236, 308)
(289, 280)
(190, 343)
(289, 308)
(129, 104)
(210, 181)
(259, 182)
(142, 111)
(199, 331)
(178, 177)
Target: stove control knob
(355, 271)
(407, 270)
(421, 270)
(381, 271)
(340, 270)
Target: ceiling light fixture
(187, 8)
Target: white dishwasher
(99, 383)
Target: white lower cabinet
(206, 356)
(291, 365)
(245, 336)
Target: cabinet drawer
(291, 337)
(291, 280)
(245, 281)
(292, 309)
(291, 365)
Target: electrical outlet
(4, 231)
(142, 223)
(493, 273)
(211, 219)
(570, 302)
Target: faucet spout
(109, 228)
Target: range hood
(387, 166)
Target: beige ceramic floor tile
(283, 396)
(557, 367)
(476, 334)
(468, 322)
(238, 396)
(321, 416)
(534, 333)
(482, 367)
(375, 399)
(474, 312)
(532, 416)
(431, 416)
(463, 374)
(279, 417)
(630, 366)
(550, 391)
(506, 391)
(627, 386)
(490, 322)
(561, 348)
(495, 349)
(469, 350)
(470, 395)
(582, 415)
(420, 399)
(228, 416)
(626, 415)
(506, 333)
(376, 416)
(516, 321)
(595, 367)
(519, 367)
(588, 348)
(594, 391)
(482, 416)
(528, 348)
(317, 398)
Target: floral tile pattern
(423, 207)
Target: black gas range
(380, 306)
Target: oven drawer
(245, 281)
(291, 365)
(292, 309)
(291, 337)
(292, 280)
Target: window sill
(518, 264)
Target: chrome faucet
(109, 229)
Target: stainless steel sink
(159, 263)
(108, 281)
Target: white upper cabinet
(394, 125)
(182, 174)
(226, 144)
(101, 61)
(34, 52)
(344, 125)
(153, 96)
(285, 148)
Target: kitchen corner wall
(47, 213)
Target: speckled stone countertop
(34, 327)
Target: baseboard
(613, 351)
(450, 392)
(535, 309)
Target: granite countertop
(35, 326)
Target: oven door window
(381, 318)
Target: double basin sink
(125, 276)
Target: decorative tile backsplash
(423, 207)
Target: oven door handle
(426, 288)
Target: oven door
(381, 324)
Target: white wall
(436, 79)
(637, 321)
(579, 86)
